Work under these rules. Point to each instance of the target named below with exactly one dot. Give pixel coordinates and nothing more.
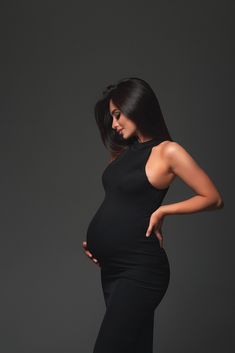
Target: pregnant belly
(120, 237)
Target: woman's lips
(120, 131)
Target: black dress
(135, 270)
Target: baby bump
(119, 236)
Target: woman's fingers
(160, 237)
(89, 254)
(95, 261)
(155, 224)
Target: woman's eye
(117, 115)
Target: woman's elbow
(216, 202)
(220, 203)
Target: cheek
(130, 125)
(126, 123)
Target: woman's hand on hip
(155, 224)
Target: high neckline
(136, 145)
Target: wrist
(162, 210)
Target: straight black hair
(137, 101)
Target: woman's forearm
(194, 204)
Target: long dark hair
(137, 101)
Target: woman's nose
(114, 124)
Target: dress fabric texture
(135, 270)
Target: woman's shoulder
(169, 146)
(169, 150)
(174, 153)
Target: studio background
(56, 58)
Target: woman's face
(121, 123)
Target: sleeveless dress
(135, 270)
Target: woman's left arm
(181, 163)
(207, 197)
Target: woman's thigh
(127, 325)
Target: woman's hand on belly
(89, 254)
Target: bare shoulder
(170, 146)
(173, 154)
(178, 158)
(167, 149)
(174, 150)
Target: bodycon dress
(135, 270)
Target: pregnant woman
(125, 238)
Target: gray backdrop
(56, 58)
